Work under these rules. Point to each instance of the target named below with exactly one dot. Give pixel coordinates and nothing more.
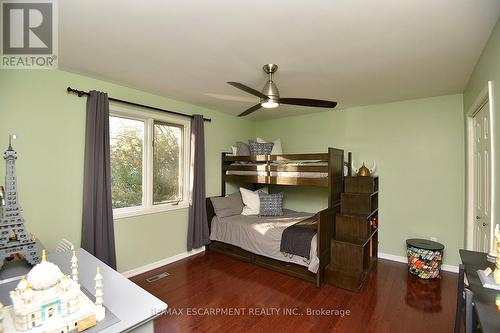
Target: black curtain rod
(81, 93)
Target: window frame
(149, 118)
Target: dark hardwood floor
(391, 300)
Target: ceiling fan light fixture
(270, 103)
(272, 93)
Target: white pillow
(277, 150)
(251, 200)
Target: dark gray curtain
(198, 234)
(98, 235)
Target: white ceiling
(352, 51)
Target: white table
(135, 307)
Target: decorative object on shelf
(424, 258)
(49, 301)
(492, 255)
(14, 239)
(495, 244)
(496, 272)
(486, 278)
(363, 170)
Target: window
(167, 162)
(149, 163)
(126, 149)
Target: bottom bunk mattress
(262, 235)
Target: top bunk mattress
(292, 163)
(293, 174)
(261, 169)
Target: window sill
(147, 211)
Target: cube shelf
(354, 249)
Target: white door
(482, 179)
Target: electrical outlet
(434, 239)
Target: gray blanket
(296, 239)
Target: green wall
(419, 149)
(488, 69)
(51, 128)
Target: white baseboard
(392, 257)
(162, 262)
(183, 255)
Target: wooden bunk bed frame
(325, 219)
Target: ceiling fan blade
(250, 110)
(318, 103)
(247, 89)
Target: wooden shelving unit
(354, 248)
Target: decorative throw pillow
(228, 206)
(277, 150)
(242, 149)
(271, 204)
(251, 200)
(257, 148)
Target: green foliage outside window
(166, 160)
(127, 166)
(126, 142)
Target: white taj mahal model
(48, 301)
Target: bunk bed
(319, 169)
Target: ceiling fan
(270, 96)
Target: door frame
(484, 97)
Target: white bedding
(291, 163)
(262, 235)
(295, 174)
(308, 162)
(247, 173)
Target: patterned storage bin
(424, 258)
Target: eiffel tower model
(14, 239)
